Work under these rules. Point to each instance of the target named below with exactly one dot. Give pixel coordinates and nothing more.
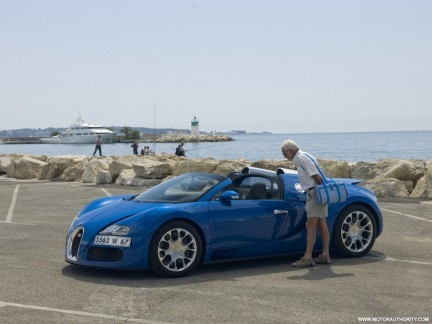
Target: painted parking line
(105, 192)
(12, 205)
(71, 312)
(386, 258)
(407, 215)
(12, 208)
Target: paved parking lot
(38, 286)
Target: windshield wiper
(130, 198)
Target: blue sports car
(200, 218)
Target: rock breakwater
(386, 178)
(186, 138)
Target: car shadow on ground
(227, 271)
(323, 271)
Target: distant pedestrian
(98, 146)
(180, 150)
(135, 148)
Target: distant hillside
(45, 132)
(28, 132)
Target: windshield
(185, 188)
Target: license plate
(112, 240)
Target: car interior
(256, 187)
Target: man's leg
(311, 225)
(325, 236)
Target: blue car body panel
(231, 229)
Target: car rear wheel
(175, 250)
(354, 232)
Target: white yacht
(51, 140)
(82, 132)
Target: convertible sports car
(204, 217)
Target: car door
(252, 221)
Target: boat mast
(154, 123)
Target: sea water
(351, 147)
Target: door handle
(280, 212)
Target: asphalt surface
(393, 282)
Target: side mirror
(229, 195)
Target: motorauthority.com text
(393, 319)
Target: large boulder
(409, 185)
(365, 171)
(5, 161)
(387, 188)
(423, 187)
(103, 177)
(227, 166)
(128, 178)
(26, 167)
(42, 158)
(184, 165)
(273, 164)
(72, 174)
(57, 165)
(164, 157)
(95, 164)
(336, 169)
(152, 169)
(121, 163)
(411, 170)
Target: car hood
(116, 211)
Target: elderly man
(307, 167)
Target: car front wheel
(175, 250)
(354, 232)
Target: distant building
(195, 126)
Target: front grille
(104, 254)
(73, 243)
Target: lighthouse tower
(195, 126)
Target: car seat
(258, 191)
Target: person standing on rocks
(307, 167)
(135, 148)
(98, 146)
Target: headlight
(115, 230)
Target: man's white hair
(289, 145)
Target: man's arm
(317, 178)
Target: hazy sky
(259, 65)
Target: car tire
(354, 232)
(175, 250)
